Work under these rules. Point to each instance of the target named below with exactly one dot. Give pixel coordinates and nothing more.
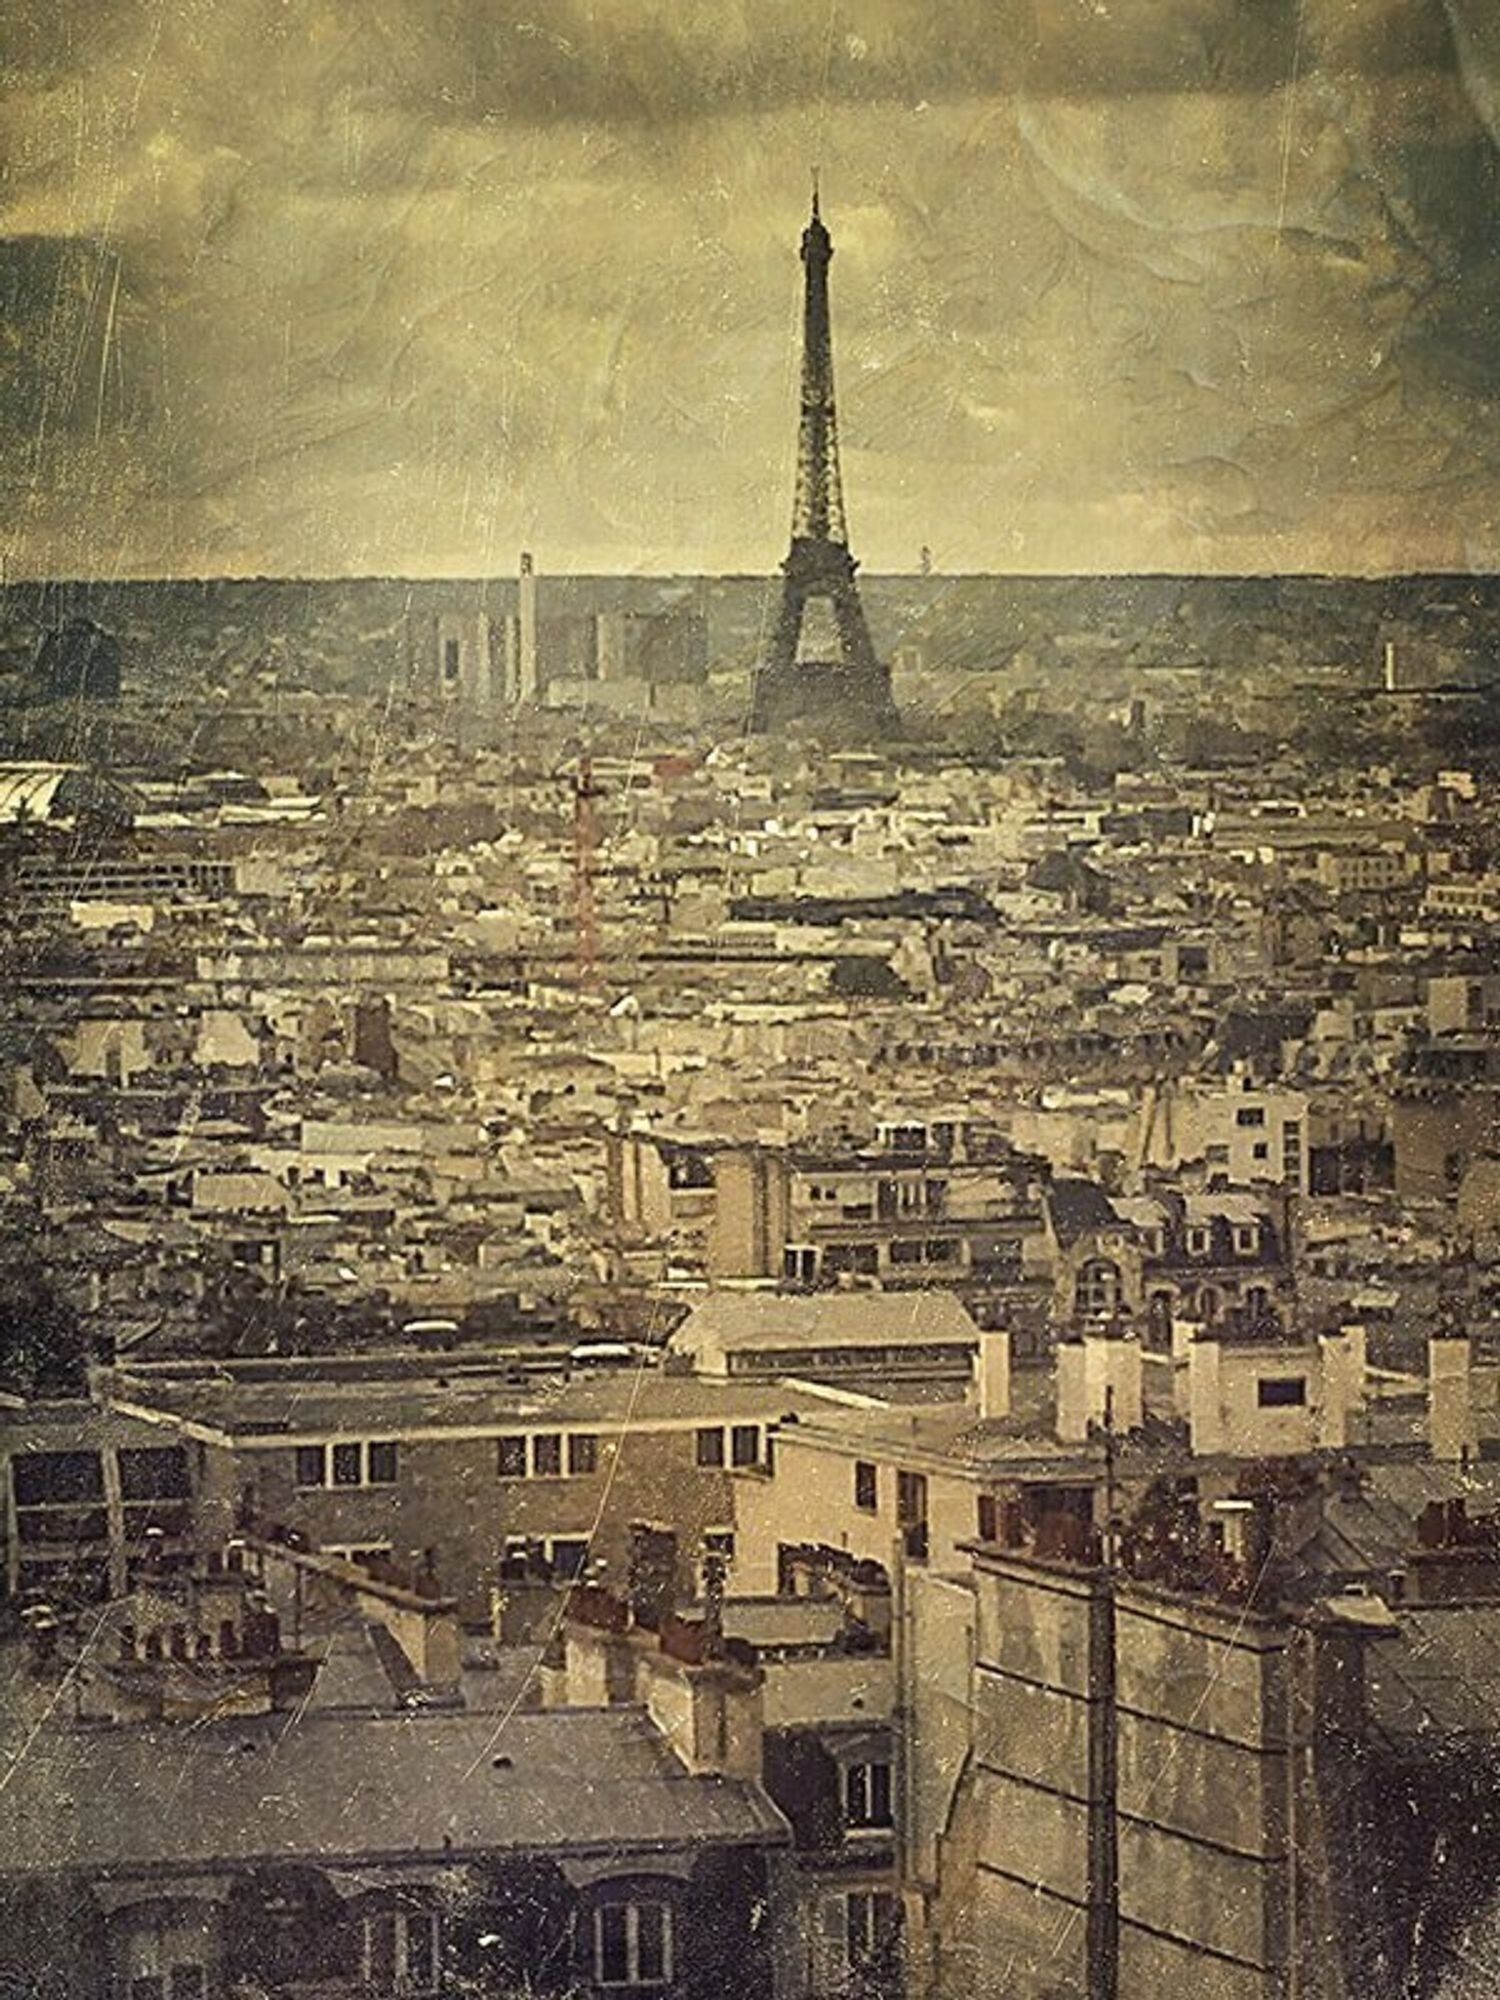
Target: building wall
(1131, 1780)
(811, 1498)
(79, 1489)
(449, 1498)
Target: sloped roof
(1077, 1208)
(1439, 1682)
(348, 1789)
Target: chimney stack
(1451, 1428)
(992, 1372)
(1100, 1378)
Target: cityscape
(779, 1282)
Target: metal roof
(355, 1789)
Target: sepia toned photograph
(750, 1000)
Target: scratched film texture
(400, 287)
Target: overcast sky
(322, 286)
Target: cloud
(313, 287)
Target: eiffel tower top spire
(818, 508)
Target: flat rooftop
(230, 1410)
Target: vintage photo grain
(749, 1000)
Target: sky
(319, 287)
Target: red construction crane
(585, 856)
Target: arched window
(1096, 1289)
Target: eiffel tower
(822, 674)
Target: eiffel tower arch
(822, 675)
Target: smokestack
(526, 678)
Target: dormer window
(1246, 1239)
(1199, 1239)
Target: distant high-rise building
(528, 684)
(822, 673)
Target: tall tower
(822, 672)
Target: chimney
(1451, 1429)
(1099, 1380)
(527, 683)
(711, 1714)
(1343, 1356)
(992, 1372)
(1206, 1428)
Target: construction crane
(586, 794)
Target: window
(869, 1927)
(546, 1455)
(450, 659)
(365, 1554)
(1249, 1116)
(711, 1447)
(1096, 1290)
(154, 1475)
(401, 1951)
(1198, 1240)
(866, 1487)
(1260, 1150)
(382, 1463)
(633, 1944)
(510, 1457)
(346, 1465)
(989, 1518)
(1246, 1238)
(58, 1478)
(567, 1554)
(583, 1452)
(1281, 1392)
(744, 1444)
(867, 1797)
(309, 1471)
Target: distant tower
(528, 684)
(822, 673)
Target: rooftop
(357, 1788)
(437, 1404)
(758, 1320)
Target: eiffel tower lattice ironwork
(822, 671)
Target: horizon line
(49, 580)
